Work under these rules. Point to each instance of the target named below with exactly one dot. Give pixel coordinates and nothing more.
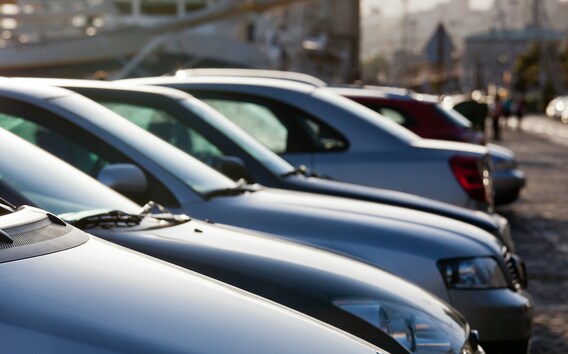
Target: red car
(421, 114)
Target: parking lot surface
(539, 221)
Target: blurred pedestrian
(496, 115)
(520, 110)
(507, 107)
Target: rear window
(454, 116)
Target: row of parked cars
(291, 218)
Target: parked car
(315, 127)
(430, 119)
(215, 140)
(425, 117)
(557, 108)
(430, 250)
(64, 291)
(334, 289)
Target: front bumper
(500, 315)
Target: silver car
(215, 140)
(507, 178)
(64, 291)
(328, 133)
(459, 263)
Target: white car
(328, 133)
(64, 291)
(435, 252)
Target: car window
(280, 127)
(396, 115)
(238, 136)
(56, 189)
(454, 117)
(51, 141)
(393, 115)
(392, 132)
(326, 138)
(167, 127)
(71, 144)
(255, 119)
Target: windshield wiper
(240, 188)
(107, 220)
(117, 218)
(164, 214)
(302, 170)
(6, 206)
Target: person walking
(520, 111)
(496, 115)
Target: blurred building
(321, 38)
(489, 58)
(403, 41)
(318, 37)
(153, 37)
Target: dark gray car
(334, 289)
(64, 291)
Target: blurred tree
(527, 71)
(564, 64)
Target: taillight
(473, 177)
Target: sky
(394, 8)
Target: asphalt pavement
(539, 220)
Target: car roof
(386, 93)
(368, 92)
(259, 73)
(226, 80)
(17, 89)
(107, 85)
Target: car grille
(516, 269)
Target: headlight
(414, 329)
(472, 273)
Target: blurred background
(432, 46)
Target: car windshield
(53, 185)
(259, 152)
(194, 173)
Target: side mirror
(124, 178)
(232, 167)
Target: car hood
(326, 217)
(255, 261)
(99, 297)
(405, 242)
(394, 198)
